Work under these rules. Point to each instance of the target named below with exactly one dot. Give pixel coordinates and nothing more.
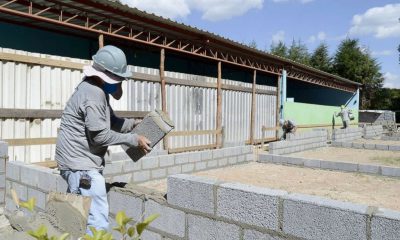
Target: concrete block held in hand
(155, 126)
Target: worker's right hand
(143, 144)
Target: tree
(279, 49)
(320, 58)
(354, 63)
(298, 52)
(252, 44)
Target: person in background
(88, 126)
(288, 126)
(345, 115)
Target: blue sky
(374, 22)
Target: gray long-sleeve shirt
(88, 127)
(344, 114)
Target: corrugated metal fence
(31, 86)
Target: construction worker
(288, 126)
(345, 115)
(89, 126)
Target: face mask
(110, 88)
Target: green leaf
(63, 236)
(30, 204)
(87, 237)
(93, 230)
(131, 231)
(127, 220)
(120, 217)
(143, 225)
(53, 238)
(107, 236)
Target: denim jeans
(98, 213)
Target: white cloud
(301, 1)
(382, 53)
(212, 10)
(391, 80)
(278, 37)
(321, 36)
(381, 22)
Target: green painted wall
(304, 113)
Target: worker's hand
(143, 144)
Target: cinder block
(191, 192)
(312, 163)
(167, 160)
(279, 159)
(2, 165)
(394, 148)
(10, 205)
(174, 170)
(382, 147)
(195, 157)
(241, 158)
(126, 178)
(132, 205)
(233, 203)
(131, 166)
(147, 235)
(200, 166)
(2, 180)
(171, 220)
(21, 190)
(262, 157)
(232, 160)
(347, 144)
(158, 173)
(342, 166)
(212, 164)
(222, 162)
(201, 228)
(40, 197)
(385, 224)
(256, 235)
(187, 168)
(206, 155)
(47, 180)
(312, 217)
(30, 175)
(250, 157)
(181, 158)
(358, 145)
(217, 153)
(113, 168)
(14, 170)
(61, 184)
(295, 161)
(369, 146)
(150, 162)
(390, 171)
(141, 176)
(3, 149)
(363, 168)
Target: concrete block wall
(201, 208)
(3, 162)
(30, 180)
(123, 169)
(347, 134)
(370, 146)
(390, 138)
(299, 142)
(372, 131)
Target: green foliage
(30, 204)
(355, 63)
(279, 49)
(41, 234)
(134, 232)
(386, 99)
(298, 52)
(98, 235)
(320, 58)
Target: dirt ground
(352, 187)
(378, 141)
(374, 157)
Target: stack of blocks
(3, 160)
(30, 180)
(199, 208)
(372, 131)
(299, 142)
(391, 138)
(347, 134)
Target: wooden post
(278, 105)
(101, 41)
(253, 108)
(163, 91)
(219, 106)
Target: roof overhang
(112, 19)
